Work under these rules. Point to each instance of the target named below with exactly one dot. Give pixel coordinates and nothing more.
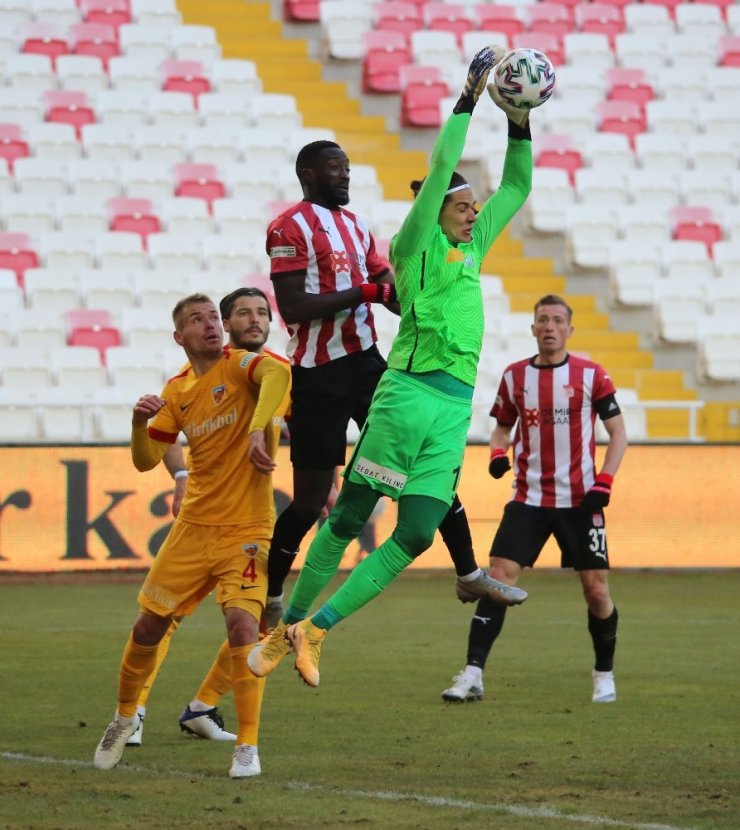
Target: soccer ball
(525, 78)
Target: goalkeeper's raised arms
(478, 72)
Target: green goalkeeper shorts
(413, 441)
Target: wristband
(604, 478)
(378, 292)
(181, 474)
(498, 453)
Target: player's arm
(597, 498)
(499, 463)
(617, 445)
(174, 461)
(419, 227)
(273, 378)
(147, 451)
(296, 305)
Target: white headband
(456, 188)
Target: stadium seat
(40, 176)
(195, 43)
(84, 73)
(684, 83)
(549, 18)
(640, 50)
(108, 142)
(670, 5)
(394, 16)
(92, 179)
(224, 111)
(78, 368)
(552, 45)
(695, 223)
(11, 300)
(31, 72)
(589, 51)
(643, 224)
(633, 270)
(17, 254)
(648, 19)
(13, 144)
(718, 357)
(385, 53)
(133, 368)
(704, 49)
(239, 216)
(97, 39)
(143, 328)
(134, 73)
(727, 264)
(41, 38)
(686, 259)
(133, 215)
(46, 291)
(556, 150)
(160, 146)
(185, 76)
(700, 19)
(437, 49)
(177, 253)
(230, 253)
(674, 318)
(499, 18)
(149, 41)
(163, 293)
(549, 200)
(624, 117)
(61, 13)
(610, 150)
(236, 76)
(148, 179)
(68, 107)
(27, 213)
(277, 113)
(111, 12)
(184, 215)
(158, 12)
(599, 18)
(591, 230)
(120, 252)
(660, 191)
(658, 152)
(595, 185)
(124, 109)
(110, 290)
(447, 17)
(67, 254)
(706, 187)
(629, 85)
(301, 11)
(39, 331)
(209, 146)
(422, 90)
(343, 26)
(201, 181)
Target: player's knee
(149, 629)
(414, 540)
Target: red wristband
(369, 293)
(497, 453)
(604, 478)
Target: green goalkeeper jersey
(438, 283)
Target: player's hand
(519, 117)
(478, 72)
(597, 497)
(179, 494)
(499, 464)
(258, 454)
(147, 407)
(378, 292)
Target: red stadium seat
(697, 224)
(134, 216)
(385, 53)
(12, 144)
(546, 42)
(17, 254)
(98, 39)
(728, 47)
(550, 18)
(68, 107)
(397, 17)
(185, 76)
(200, 181)
(99, 335)
(625, 117)
(447, 17)
(301, 11)
(495, 18)
(422, 90)
(558, 150)
(111, 12)
(44, 39)
(629, 85)
(600, 18)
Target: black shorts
(524, 530)
(324, 398)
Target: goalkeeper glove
(478, 71)
(597, 497)
(518, 117)
(499, 463)
(378, 292)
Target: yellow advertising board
(88, 509)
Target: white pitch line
(382, 795)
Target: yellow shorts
(195, 559)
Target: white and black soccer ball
(525, 78)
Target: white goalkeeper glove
(519, 117)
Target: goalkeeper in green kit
(412, 446)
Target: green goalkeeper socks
(365, 582)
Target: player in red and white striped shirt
(326, 272)
(553, 399)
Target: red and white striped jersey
(337, 251)
(554, 408)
